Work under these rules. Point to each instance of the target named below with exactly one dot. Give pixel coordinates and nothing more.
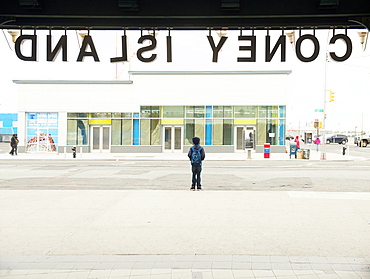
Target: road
(258, 175)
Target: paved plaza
(184, 234)
(165, 233)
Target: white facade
(235, 88)
(212, 88)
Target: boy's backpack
(196, 157)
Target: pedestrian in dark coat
(196, 155)
(14, 144)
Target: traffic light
(331, 96)
(317, 124)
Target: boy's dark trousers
(196, 169)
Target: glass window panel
(77, 115)
(77, 133)
(72, 115)
(251, 112)
(239, 138)
(82, 131)
(228, 132)
(282, 112)
(189, 132)
(173, 112)
(272, 133)
(218, 111)
(249, 137)
(262, 111)
(82, 115)
(195, 111)
(177, 138)
(155, 132)
(116, 115)
(218, 133)
(228, 112)
(122, 132)
(71, 132)
(199, 125)
(261, 131)
(155, 112)
(106, 137)
(145, 112)
(245, 112)
(149, 112)
(199, 112)
(189, 111)
(145, 132)
(126, 115)
(96, 137)
(240, 111)
(127, 128)
(101, 115)
(167, 137)
(116, 132)
(281, 131)
(273, 111)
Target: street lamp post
(323, 152)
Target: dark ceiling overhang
(184, 14)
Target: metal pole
(323, 154)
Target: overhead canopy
(184, 14)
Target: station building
(154, 112)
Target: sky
(307, 84)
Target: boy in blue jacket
(196, 155)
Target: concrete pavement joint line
(163, 266)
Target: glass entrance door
(245, 137)
(100, 138)
(172, 139)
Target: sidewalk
(314, 156)
(184, 234)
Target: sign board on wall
(248, 44)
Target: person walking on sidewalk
(14, 144)
(317, 141)
(298, 145)
(196, 155)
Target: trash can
(299, 154)
(292, 149)
(306, 154)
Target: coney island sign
(247, 43)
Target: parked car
(289, 137)
(341, 139)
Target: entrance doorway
(244, 137)
(172, 138)
(100, 138)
